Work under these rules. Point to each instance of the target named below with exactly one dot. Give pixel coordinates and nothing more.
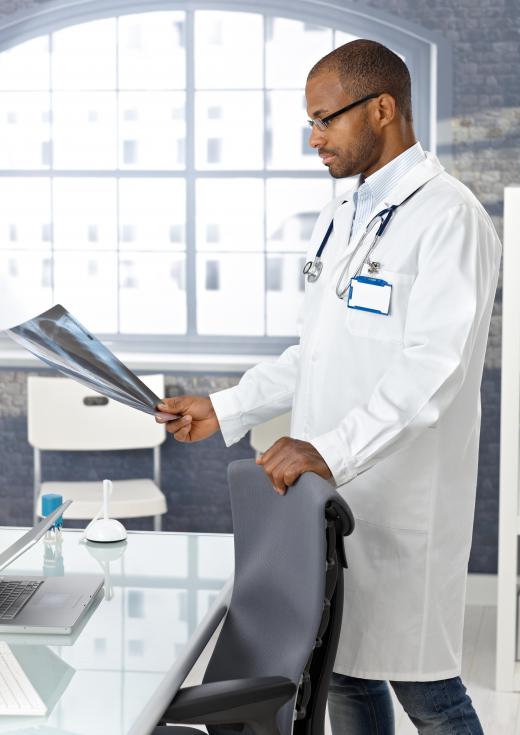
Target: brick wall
(194, 478)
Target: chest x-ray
(63, 343)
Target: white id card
(369, 294)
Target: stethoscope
(313, 268)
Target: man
(384, 390)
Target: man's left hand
(288, 458)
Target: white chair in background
(63, 415)
(264, 435)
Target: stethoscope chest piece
(312, 269)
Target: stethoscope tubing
(312, 269)
(385, 215)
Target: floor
(499, 712)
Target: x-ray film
(63, 343)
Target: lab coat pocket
(385, 590)
(388, 327)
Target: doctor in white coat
(384, 388)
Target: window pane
(152, 51)
(152, 130)
(228, 50)
(292, 210)
(229, 130)
(119, 99)
(86, 285)
(230, 214)
(85, 213)
(289, 133)
(340, 37)
(152, 214)
(84, 56)
(85, 130)
(230, 294)
(26, 66)
(307, 44)
(25, 130)
(284, 294)
(18, 197)
(152, 293)
(25, 285)
(213, 559)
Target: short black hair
(364, 67)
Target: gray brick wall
(194, 477)
(485, 39)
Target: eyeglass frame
(323, 123)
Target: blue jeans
(364, 706)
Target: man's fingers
(177, 404)
(287, 473)
(183, 434)
(272, 463)
(172, 427)
(287, 459)
(273, 452)
(291, 474)
(167, 404)
(275, 471)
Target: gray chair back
(280, 582)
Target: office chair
(63, 415)
(274, 655)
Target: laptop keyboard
(14, 593)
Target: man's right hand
(197, 419)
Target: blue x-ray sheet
(63, 343)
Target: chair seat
(130, 498)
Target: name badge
(369, 294)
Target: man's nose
(316, 137)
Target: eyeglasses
(323, 123)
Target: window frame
(428, 56)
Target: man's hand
(288, 458)
(197, 419)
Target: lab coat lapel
(343, 224)
(414, 179)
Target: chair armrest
(226, 702)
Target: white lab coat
(392, 403)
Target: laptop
(43, 604)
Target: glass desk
(117, 672)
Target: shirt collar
(385, 179)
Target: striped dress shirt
(378, 185)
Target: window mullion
(51, 171)
(191, 264)
(264, 187)
(118, 179)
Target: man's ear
(385, 111)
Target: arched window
(155, 176)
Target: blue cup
(50, 502)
